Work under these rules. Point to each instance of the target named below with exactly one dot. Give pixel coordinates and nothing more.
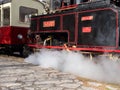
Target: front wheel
(26, 51)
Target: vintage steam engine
(89, 26)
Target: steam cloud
(100, 68)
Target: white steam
(100, 68)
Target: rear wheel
(8, 50)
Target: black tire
(26, 51)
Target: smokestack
(51, 4)
(55, 4)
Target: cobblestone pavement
(18, 75)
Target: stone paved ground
(18, 75)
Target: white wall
(15, 10)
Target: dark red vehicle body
(9, 35)
(13, 38)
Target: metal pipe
(44, 44)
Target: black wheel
(26, 51)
